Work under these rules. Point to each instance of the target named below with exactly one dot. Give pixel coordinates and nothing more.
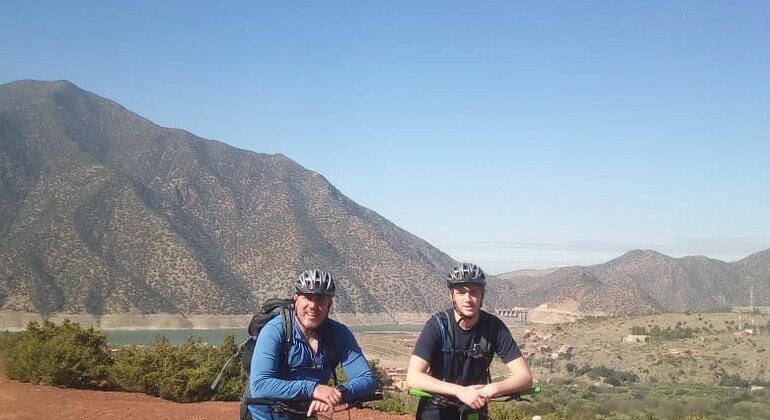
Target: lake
(216, 336)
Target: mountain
(102, 211)
(644, 281)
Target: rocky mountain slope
(104, 212)
(645, 281)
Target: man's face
(467, 299)
(311, 309)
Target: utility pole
(751, 308)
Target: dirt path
(21, 401)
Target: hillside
(716, 338)
(102, 211)
(107, 216)
(644, 281)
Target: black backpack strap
(450, 318)
(447, 340)
(287, 314)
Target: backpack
(267, 312)
(483, 350)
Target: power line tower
(751, 309)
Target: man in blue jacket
(319, 344)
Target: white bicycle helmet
(467, 273)
(316, 282)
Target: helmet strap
(457, 310)
(459, 313)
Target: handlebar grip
(419, 393)
(531, 391)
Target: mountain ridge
(649, 281)
(127, 197)
(104, 212)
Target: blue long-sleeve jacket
(294, 379)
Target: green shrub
(383, 380)
(610, 376)
(507, 411)
(179, 373)
(583, 410)
(70, 356)
(734, 381)
(396, 403)
(61, 355)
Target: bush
(179, 373)
(734, 381)
(68, 355)
(583, 410)
(610, 376)
(396, 403)
(383, 380)
(185, 373)
(61, 355)
(508, 411)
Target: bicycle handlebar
(530, 391)
(298, 404)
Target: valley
(717, 345)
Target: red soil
(22, 401)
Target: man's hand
(317, 406)
(473, 397)
(489, 391)
(328, 395)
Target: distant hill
(644, 281)
(103, 212)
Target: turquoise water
(121, 338)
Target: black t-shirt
(465, 370)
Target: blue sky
(512, 134)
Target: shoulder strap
(447, 339)
(447, 332)
(286, 307)
(450, 318)
(287, 315)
